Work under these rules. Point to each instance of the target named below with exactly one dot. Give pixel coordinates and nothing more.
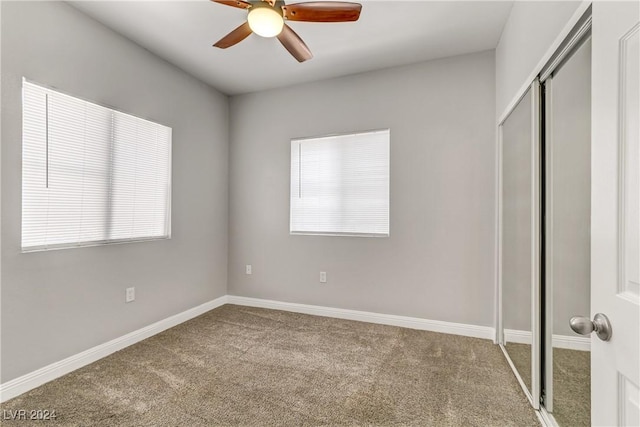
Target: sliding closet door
(568, 241)
(520, 231)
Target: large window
(340, 184)
(90, 174)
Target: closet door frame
(548, 245)
(575, 29)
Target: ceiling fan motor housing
(267, 18)
(277, 6)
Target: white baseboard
(50, 372)
(485, 332)
(571, 343)
(517, 337)
(557, 341)
(34, 379)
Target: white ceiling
(388, 33)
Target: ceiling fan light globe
(265, 21)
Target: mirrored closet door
(545, 242)
(567, 189)
(519, 218)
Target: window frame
(337, 233)
(103, 242)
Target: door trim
(574, 40)
(548, 246)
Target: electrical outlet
(323, 277)
(247, 269)
(130, 294)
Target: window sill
(90, 244)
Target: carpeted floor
(248, 366)
(520, 355)
(571, 382)
(572, 387)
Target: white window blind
(340, 184)
(90, 174)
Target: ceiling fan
(267, 18)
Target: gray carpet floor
(520, 355)
(572, 387)
(571, 382)
(249, 366)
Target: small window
(340, 184)
(90, 174)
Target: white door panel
(615, 223)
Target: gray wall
(58, 303)
(438, 262)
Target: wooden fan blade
(234, 37)
(322, 11)
(271, 2)
(294, 44)
(234, 3)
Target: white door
(615, 203)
